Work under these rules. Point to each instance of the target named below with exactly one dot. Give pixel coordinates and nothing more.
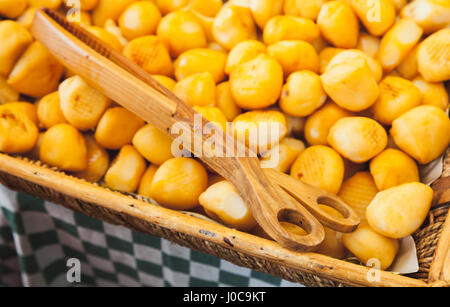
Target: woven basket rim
(323, 266)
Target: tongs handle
(311, 197)
(130, 86)
(95, 66)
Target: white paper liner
(432, 171)
(406, 261)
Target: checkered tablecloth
(37, 238)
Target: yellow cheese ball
(321, 167)
(397, 96)
(209, 8)
(213, 115)
(294, 56)
(81, 104)
(260, 130)
(12, 8)
(318, 125)
(358, 192)
(36, 73)
(350, 82)
(302, 94)
(325, 57)
(264, 10)
(49, 111)
(18, 132)
(397, 43)
(183, 31)
(358, 139)
(199, 61)
(224, 201)
(378, 22)
(339, 24)
(117, 128)
(225, 101)
(349, 55)
(280, 28)
(26, 108)
(368, 246)
(109, 9)
(434, 56)
(232, 25)
(423, 133)
(168, 6)
(64, 146)
(150, 52)
(145, 186)
(243, 52)
(392, 167)
(197, 90)
(139, 19)
(178, 183)
(430, 15)
(399, 211)
(282, 157)
(153, 144)
(98, 161)
(257, 84)
(303, 8)
(126, 171)
(15, 39)
(434, 94)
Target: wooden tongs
(272, 197)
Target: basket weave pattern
(427, 238)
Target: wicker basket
(432, 240)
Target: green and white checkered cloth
(37, 238)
